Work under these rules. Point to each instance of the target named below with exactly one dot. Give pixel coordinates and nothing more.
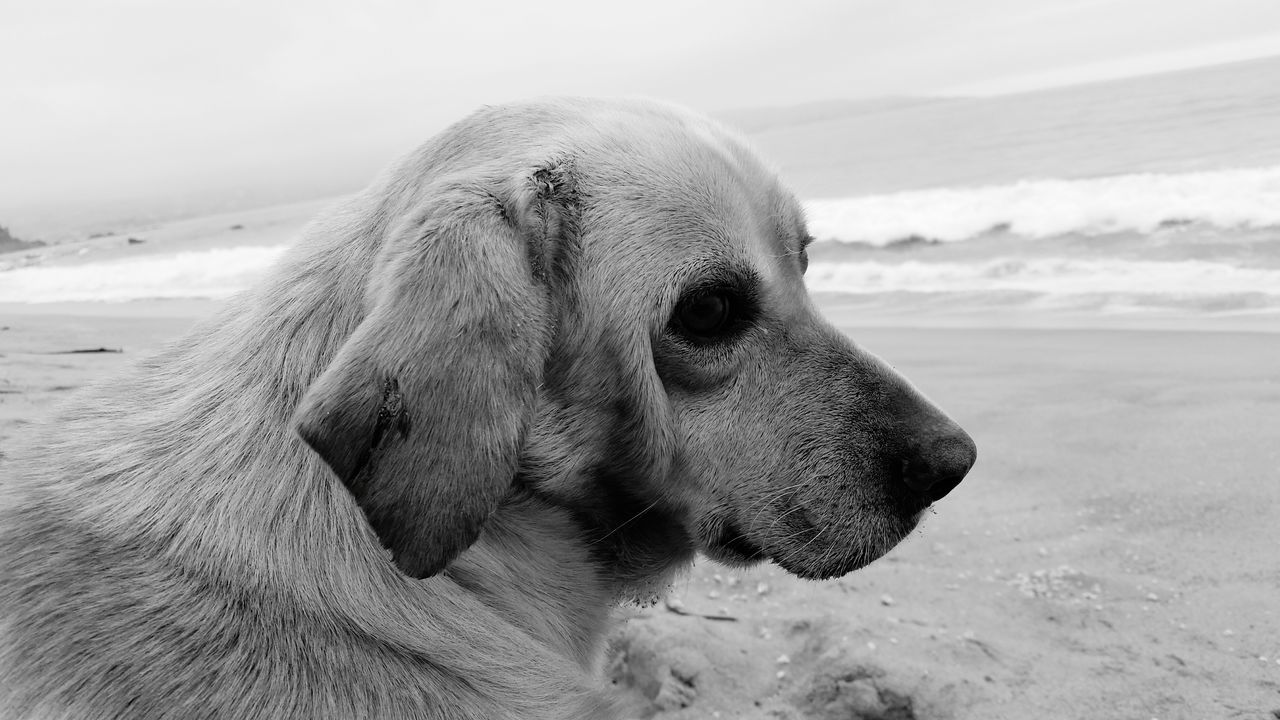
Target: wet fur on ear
(424, 409)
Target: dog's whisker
(783, 516)
(810, 541)
(760, 504)
(626, 522)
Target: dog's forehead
(702, 189)
(753, 190)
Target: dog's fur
(410, 474)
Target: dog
(525, 376)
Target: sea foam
(1044, 208)
(214, 274)
(1047, 276)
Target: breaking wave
(215, 274)
(1046, 208)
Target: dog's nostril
(938, 468)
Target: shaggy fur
(409, 475)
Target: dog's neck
(558, 574)
(531, 568)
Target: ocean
(1201, 244)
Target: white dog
(528, 373)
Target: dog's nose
(938, 463)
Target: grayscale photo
(818, 360)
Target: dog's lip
(732, 543)
(823, 563)
(853, 559)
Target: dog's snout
(938, 463)
(934, 451)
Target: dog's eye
(716, 308)
(707, 315)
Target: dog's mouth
(848, 550)
(814, 544)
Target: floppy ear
(424, 409)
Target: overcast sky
(166, 103)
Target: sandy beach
(1112, 555)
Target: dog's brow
(803, 241)
(790, 234)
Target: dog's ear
(423, 411)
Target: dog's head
(603, 303)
